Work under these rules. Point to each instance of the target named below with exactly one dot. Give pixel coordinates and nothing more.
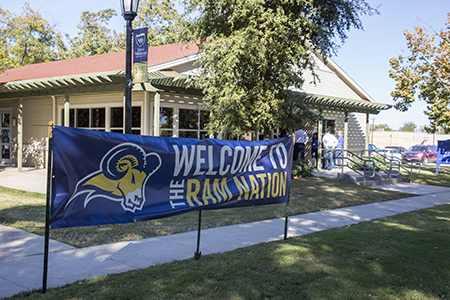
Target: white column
(366, 146)
(156, 114)
(20, 135)
(345, 146)
(66, 111)
(146, 114)
(319, 141)
(54, 109)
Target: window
(5, 137)
(188, 123)
(95, 119)
(192, 123)
(328, 124)
(98, 118)
(204, 121)
(166, 121)
(90, 118)
(117, 119)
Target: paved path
(21, 253)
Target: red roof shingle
(94, 64)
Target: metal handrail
(394, 160)
(387, 171)
(368, 171)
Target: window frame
(107, 107)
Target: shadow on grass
(400, 257)
(428, 176)
(309, 195)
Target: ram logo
(123, 174)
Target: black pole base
(197, 255)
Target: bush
(301, 168)
(378, 165)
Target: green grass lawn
(26, 211)
(406, 256)
(428, 175)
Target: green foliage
(384, 127)
(425, 74)
(162, 20)
(256, 50)
(358, 164)
(27, 39)
(301, 168)
(408, 126)
(94, 36)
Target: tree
(162, 20)
(27, 39)
(255, 50)
(408, 126)
(382, 127)
(94, 36)
(425, 74)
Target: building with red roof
(88, 92)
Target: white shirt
(330, 140)
(301, 137)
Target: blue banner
(443, 154)
(105, 178)
(140, 55)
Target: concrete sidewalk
(30, 179)
(21, 253)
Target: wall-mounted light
(14, 122)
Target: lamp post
(129, 12)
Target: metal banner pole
(287, 203)
(198, 254)
(286, 219)
(47, 211)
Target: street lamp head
(129, 9)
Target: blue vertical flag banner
(140, 55)
(106, 178)
(443, 154)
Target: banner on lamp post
(140, 55)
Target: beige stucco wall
(382, 139)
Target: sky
(364, 56)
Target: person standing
(329, 142)
(301, 138)
(314, 149)
(339, 147)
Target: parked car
(424, 153)
(399, 148)
(389, 153)
(372, 149)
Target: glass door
(5, 118)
